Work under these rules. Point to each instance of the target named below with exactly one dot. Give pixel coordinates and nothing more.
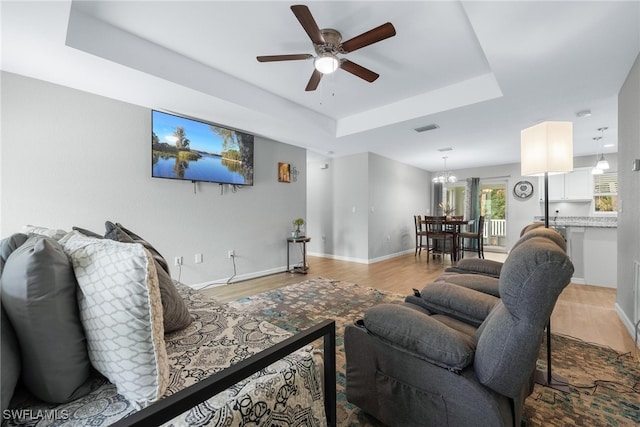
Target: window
(605, 193)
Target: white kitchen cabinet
(556, 187)
(574, 186)
(593, 252)
(575, 250)
(578, 185)
(601, 256)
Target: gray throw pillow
(10, 361)
(39, 297)
(175, 313)
(10, 244)
(119, 228)
(10, 350)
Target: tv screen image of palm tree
(193, 150)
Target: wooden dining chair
(439, 240)
(473, 237)
(456, 230)
(421, 234)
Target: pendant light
(445, 176)
(602, 163)
(597, 170)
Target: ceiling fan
(328, 44)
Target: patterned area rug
(604, 385)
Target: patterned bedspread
(287, 393)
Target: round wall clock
(523, 190)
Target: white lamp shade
(547, 147)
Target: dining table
(450, 225)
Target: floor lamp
(547, 148)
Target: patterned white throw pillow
(54, 233)
(121, 311)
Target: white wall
(69, 158)
(361, 206)
(628, 196)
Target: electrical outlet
(199, 258)
(177, 260)
(231, 253)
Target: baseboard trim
(627, 323)
(257, 274)
(239, 278)
(360, 260)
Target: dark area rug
(604, 385)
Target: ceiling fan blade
(358, 70)
(308, 23)
(271, 58)
(314, 81)
(375, 35)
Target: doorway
(493, 206)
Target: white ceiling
(480, 70)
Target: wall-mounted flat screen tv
(193, 150)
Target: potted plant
(297, 223)
(447, 210)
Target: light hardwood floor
(584, 312)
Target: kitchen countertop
(582, 221)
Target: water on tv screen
(192, 150)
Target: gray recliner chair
(483, 274)
(468, 360)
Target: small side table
(303, 241)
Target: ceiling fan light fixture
(326, 63)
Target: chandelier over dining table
(445, 176)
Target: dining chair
(439, 240)
(473, 237)
(456, 230)
(420, 234)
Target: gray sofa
(95, 332)
(456, 356)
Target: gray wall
(69, 158)
(361, 207)
(629, 196)
(396, 193)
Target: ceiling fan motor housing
(332, 42)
